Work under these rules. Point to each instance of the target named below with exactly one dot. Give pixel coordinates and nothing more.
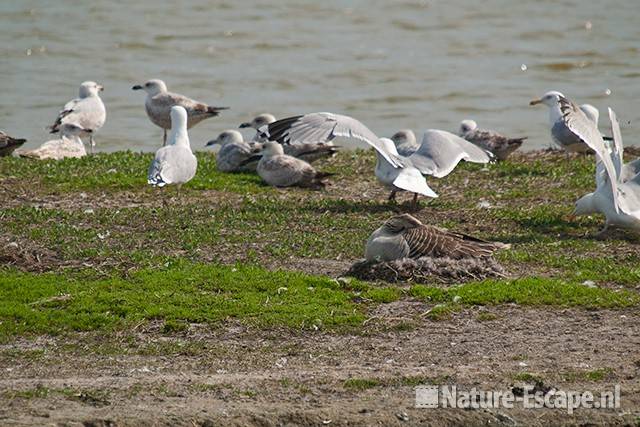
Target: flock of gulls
(281, 153)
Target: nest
(426, 269)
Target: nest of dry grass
(426, 269)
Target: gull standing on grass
(9, 144)
(87, 111)
(498, 144)
(404, 236)
(281, 170)
(159, 102)
(438, 154)
(621, 207)
(561, 132)
(174, 163)
(68, 146)
(235, 152)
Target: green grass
(32, 304)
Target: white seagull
(501, 146)
(438, 154)
(159, 102)
(281, 170)
(87, 111)
(620, 206)
(174, 163)
(561, 132)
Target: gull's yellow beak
(535, 101)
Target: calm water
(391, 64)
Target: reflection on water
(401, 64)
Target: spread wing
(323, 127)
(585, 129)
(441, 151)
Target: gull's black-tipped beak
(245, 125)
(87, 130)
(535, 102)
(137, 87)
(100, 88)
(210, 143)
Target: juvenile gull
(281, 170)
(622, 207)
(405, 142)
(438, 154)
(69, 145)
(159, 102)
(498, 144)
(8, 144)
(404, 236)
(174, 163)
(561, 132)
(86, 111)
(235, 152)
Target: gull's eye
(147, 84)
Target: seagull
(86, 111)
(404, 236)
(8, 144)
(498, 144)
(561, 132)
(68, 146)
(235, 152)
(281, 170)
(159, 102)
(621, 207)
(174, 163)
(438, 154)
(405, 142)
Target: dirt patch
(428, 270)
(240, 376)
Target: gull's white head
(71, 130)
(152, 87)
(259, 121)
(178, 117)
(404, 136)
(271, 148)
(89, 88)
(229, 136)
(549, 99)
(467, 126)
(585, 205)
(591, 112)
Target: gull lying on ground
(561, 133)
(281, 170)
(69, 145)
(498, 144)
(159, 102)
(235, 152)
(174, 163)
(620, 206)
(86, 111)
(438, 154)
(9, 144)
(404, 236)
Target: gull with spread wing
(620, 203)
(437, 155)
